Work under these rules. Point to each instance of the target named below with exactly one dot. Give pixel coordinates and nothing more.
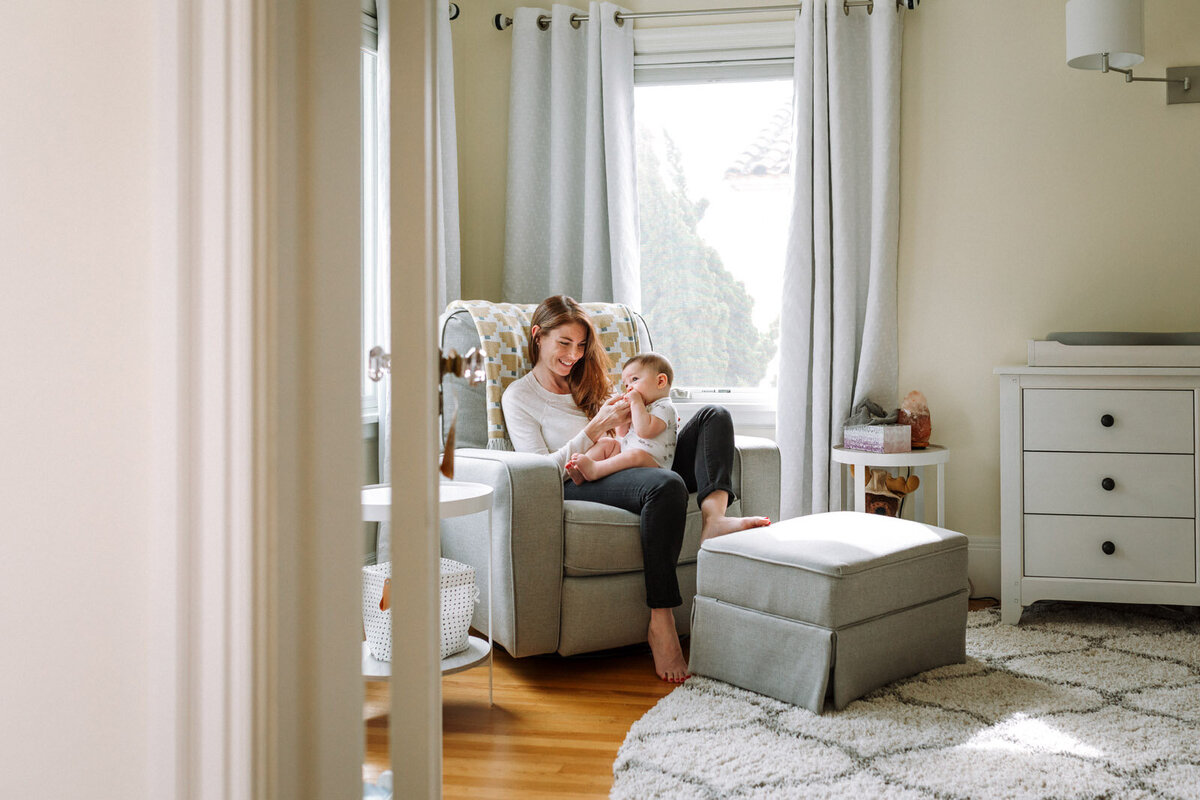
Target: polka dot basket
(459, 596)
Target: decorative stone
(914, 412)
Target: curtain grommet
(575, 21)
(617, 19)
(543, 22)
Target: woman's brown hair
(589, 381)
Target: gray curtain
(572, 224)
(449, 275)
(838, 327)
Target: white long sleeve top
(540, 421)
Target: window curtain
(572, 224)
(449, 276)
(838, 327)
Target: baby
(648, 440)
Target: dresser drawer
(1142, 485)
(1143, 549)
(1139, 420)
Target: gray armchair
(568, 573)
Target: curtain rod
(502, 22)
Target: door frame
(256, 688)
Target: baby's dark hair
(656, 362)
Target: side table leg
(941, 495)
(491, 645)
(919, 496)
(860, 488)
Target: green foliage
(698, 313)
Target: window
(375, 288)
(714, 133)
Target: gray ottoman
(829, 606)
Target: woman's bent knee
(667, 488)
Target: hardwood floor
(553, 733)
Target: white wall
(1034, 198)
(75, 382)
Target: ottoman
(829, 606)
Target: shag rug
(1079, 701)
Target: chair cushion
(605, 540)
(834, 569)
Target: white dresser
(1098, 494)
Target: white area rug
(1080, 701)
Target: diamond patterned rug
(1079, 701)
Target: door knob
(1109, 484)
(1109, 548)
(1107, 420)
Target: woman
(563, 406)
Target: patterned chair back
(501, 330)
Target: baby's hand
(634, 396)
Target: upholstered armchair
(568, 573)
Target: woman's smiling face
(559, 348)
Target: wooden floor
(553, 733)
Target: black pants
(703, 464)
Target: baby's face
(650, 385)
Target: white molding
(202, 714)
(983, 565)
(717, 38)
(169, 725)
(257, 430)
(407, 50)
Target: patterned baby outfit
(662, 447)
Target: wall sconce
(1107, 35)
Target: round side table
(455, 499)
(916, 459)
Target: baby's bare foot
(573, 471)
(719, 526)
(587, 466)
(669, 662)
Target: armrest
(527, 546)
(756, 476)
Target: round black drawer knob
(1109, 548)
(1107, 420)
(1109, 484)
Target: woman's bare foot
(719, 526)
(664, 644)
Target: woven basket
(459, 595)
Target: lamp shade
(1095, 27)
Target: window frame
(374, 288)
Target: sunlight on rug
(1080, 701)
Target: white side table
(455, 499)
(916, 459)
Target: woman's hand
(614, 412)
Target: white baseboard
(983, 565)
